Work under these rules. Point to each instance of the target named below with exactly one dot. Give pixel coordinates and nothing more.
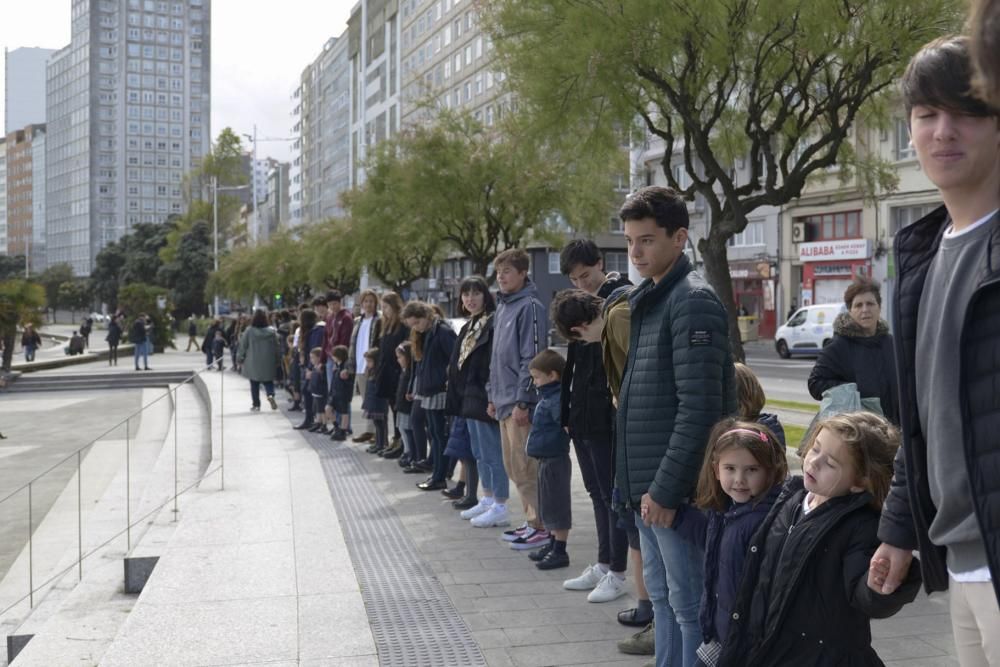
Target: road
(783, 379)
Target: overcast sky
(259, 48)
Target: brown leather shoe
(364, 437)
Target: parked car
(808, 331)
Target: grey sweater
(949, 287)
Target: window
(833, 226)
(903, 215)
(752, 235)
(616, 261)
(554, 263)
(681, 176)
(904, 151)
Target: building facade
(24, 91)
(3, 197)
(20, 189)
(37, 257)
(274, 210)
(128, 106)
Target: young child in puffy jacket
(743, 472)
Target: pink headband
(746, 431)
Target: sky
(259, 49)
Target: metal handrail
(129, 524)
(113, 428)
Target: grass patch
(793, 435)
(793, 405)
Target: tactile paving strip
(411, 615)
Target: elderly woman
(860, 352)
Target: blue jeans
(29, 352)
(489, 457)
(255, 391)
(438, 436)
(673, 569)
(141, 350)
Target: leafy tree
(476, 190)
(51, 279)
(107, 268)
(19, 303)
(139, 298)
(141, 249)
(779, 81)
(329, 258)
(188, 272)
(75, 295)
(11, 266)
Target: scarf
(469, 342)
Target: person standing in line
(114, 337)
(520, 330)
(30, 341)
(588, 417)
(337, 331)
(392, 332)
(192, 334)
(362, 337)
(137, 336)
(945, 496)
(678, 383)
(259, 356)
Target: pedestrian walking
(86, 327)
(192, 335)
(113, 338)
(137, 336)
(259, 357)
(208, 342)
(30, 342)
(219, 348)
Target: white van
(808, 331)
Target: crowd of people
(733, 561)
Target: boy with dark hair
(588, 414)
(945, 496)
(678, 382)
(340, 392)
(548, 443)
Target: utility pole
(215, 238)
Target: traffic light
(277, 301)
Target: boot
(456, 492)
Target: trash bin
(748, 328)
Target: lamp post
(215, 231)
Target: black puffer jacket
(864, 360)
(586, 399)
(467, 385)
(909, 511)
(431, 372)
(804, 599)
(387, 369)
(678, 382)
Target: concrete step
(78, 619)
(95, 381)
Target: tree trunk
(8, 349)
(713, 251)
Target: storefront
(753, 287)
(828, 267)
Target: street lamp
(215, 230)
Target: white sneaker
(481, 507)
(586, 581)
(609, 588)
(496, 515)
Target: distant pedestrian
(137, 336)
(791, 310)
(85, 329)
(150, 335)
(207, 342)
(219, 348)
(259, 357)
(192, 334)
(30, 341)
(75, 344)
(114, 337)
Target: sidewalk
(317, 553)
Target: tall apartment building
(20, 189)
(24, 87)
(274, 214)
(37, 258)
(448, 60)
(128, 110)
(373, 34)
(3, 197)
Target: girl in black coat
(390, 335)
(804, 599)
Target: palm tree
(19, 302)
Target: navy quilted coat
(678, 383)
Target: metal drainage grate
(411, 615)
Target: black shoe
(374, 448)
(540, 554)
(316, 428)
(632, 619)
(413, 470)
(553, 561)
(458, 491)
(404, 461)
(303, 426)
(393, 453)
(468, 502)
(338, 435)
(147, 368)
(426, 465)
(254, 408)
(296, 407)
(431, 485)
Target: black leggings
(112, 354)
(595, 459)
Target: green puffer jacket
(679, 381)
(258, 353)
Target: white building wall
(24, 93)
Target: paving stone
(488, 639)
(534, 635)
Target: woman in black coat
(860, 352)
(114, 338)
(391, 333)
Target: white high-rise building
(128, 110)
(36, 251)
(24, 92)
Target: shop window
(834, 226)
